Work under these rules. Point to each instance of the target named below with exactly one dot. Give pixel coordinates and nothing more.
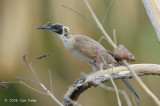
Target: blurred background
(19, 36)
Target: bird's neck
(65, 39)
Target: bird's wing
(91, 48)
(86, 46)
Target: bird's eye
(56, 27)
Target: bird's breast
(81, 56)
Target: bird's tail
(131, 89)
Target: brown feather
(90, 47)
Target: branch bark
(93, 79)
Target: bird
(87, 50)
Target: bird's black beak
(46, 26)
(56, 28)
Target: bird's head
(60, 30)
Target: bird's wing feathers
(85, 46)
(90, 48)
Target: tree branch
(153, 10)
(93, 79)
(149, 92)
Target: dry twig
(119, 91)
(46, 91)
(114, 46)
(88, 80)
(153, 10)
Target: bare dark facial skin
(57, 28)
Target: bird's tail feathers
(131, 89)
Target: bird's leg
(98, 61)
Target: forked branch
(94, 79)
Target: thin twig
(41, 85)
(23, 78)
(136, 104)
(114, 46)
(99, 24)
(85, 18)
(23, 83)
(50, 78)
(116, 90)
(113, 83)
(44, 88)
(120, 91)
(51, 95)
(120, 72)
(149, 92)
(34, 73)
(101, 38)
(108, 8)
(114, 36)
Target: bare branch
(99, 24)
(27, 79)
(108, 8)
(149, 92)
(115, 46)
(84, 17)
(119, 91)
(116, 90)
(23, 83)
(50, 78)
(88, 80)
(153, 10)
(113, 83)
(44, 88)
(46, 91)
(114, 36)
(51, 95)
(34, 73)
(74, 103)
(101, 38)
